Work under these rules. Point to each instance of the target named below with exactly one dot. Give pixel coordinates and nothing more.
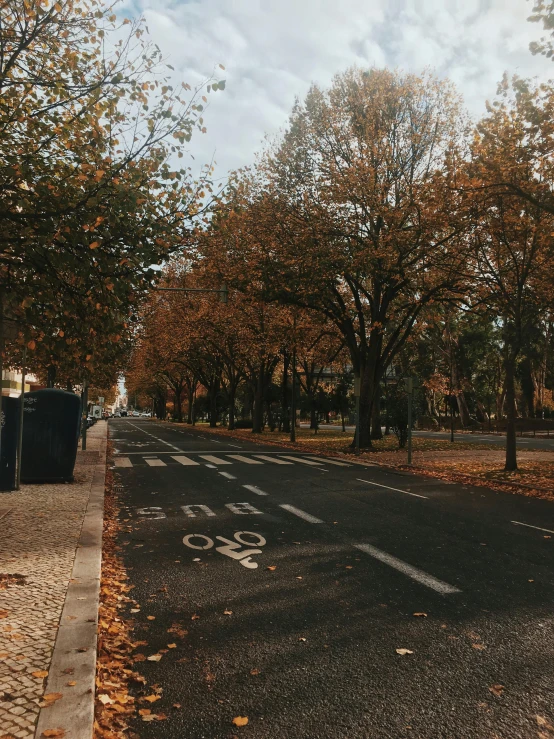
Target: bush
(242, 423)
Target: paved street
(523, 442)
(284, 584)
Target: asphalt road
(287, 587)
(529, 443)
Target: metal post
(357, 390)
(85, 414)
(410, 398)
(21, 415)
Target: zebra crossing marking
(304, 461)
(123, 462)
(185, 461)
(214, 460)
(155, 463)
(275, 460)
(326, 460)
(246, 460)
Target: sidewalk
(40, 530)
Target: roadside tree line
(408, 238)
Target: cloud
(274, 49)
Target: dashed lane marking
(397, 490)
(409, 570)
(518, 523)
(301, 514)
(228, 475)
(254, 489)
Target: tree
(350, 213)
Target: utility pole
(293, 396)
(84, 396)
(21, 416)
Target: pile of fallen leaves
(114, 671)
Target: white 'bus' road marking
(155, 462)
(242, 509)
(246, 460)
(406, 492)
(254, 489)
(304, 461)
(301, 514)
(326, 460)
(227, 475)
(518, 523)
(272, 459)
(187, 509)
(215, 460)
(185, 460)
(409, 570)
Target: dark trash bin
(51, 424)
(8, 459)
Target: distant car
(123, 414)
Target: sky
(273, 50)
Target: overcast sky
(273, 49)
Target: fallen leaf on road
(227, 613)
(255, 671)
(177, 706)
(478, 646)
(71, 683)
(302, 638)
(3, 613)
(299, 577)
(105, 699)
(496, 689)
(54, 732)
(530, 581)
(547, 537)
(271, 567)
(348, 567)
(40, 673)
(152, 698)
(404, 651)
(424, 615)
(151, 618)
(135, 610)
(240, 721)
(154, 658)
(172, 646)
(194, 617)
(544, 723)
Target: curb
(74, 654)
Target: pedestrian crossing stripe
(213, 460)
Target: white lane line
(236, 446)
(185, 460)
(518, 523)
(326, 460)
(275, 460)
(431, 582)
(211, 466)
(246, 460)
(227, 475)
(303, 461)
(254, 489)
(406, 492)
(214, 460)
(155, 463)
(123, 462)
(301, 514)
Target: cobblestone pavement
(38, 539)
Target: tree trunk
(232, 409)
(528, 389)
(313, 415)
(190, 401)
(213, 405)
(511, 453)
(285, 396)
(178, 405)
(376, 432)
(258, 410)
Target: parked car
(123, 414)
